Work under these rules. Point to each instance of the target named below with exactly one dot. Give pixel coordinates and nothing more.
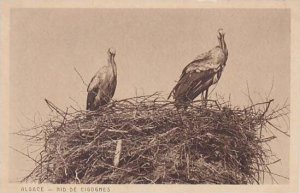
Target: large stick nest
(147, 140)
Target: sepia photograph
(185, 95)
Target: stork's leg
(202, 96)
(206, 95)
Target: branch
(81, 77)
(285, 133)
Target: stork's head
(221, 33)
(222, 42)
(111, 51)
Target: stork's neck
(111, 61)
(223, 45)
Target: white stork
(201, 73)
(103, 85)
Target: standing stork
(201, 73)
(103, 85)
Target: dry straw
(146, 139)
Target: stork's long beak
(221, 33)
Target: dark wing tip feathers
(90, 99)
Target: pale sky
(153, 46)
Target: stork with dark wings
(103, 85)
(200, 74)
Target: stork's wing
(196, 65)
(92, 90)
(193, 83)
(97, 78)
(90, 100)
(198, 61)
(93, 83)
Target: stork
(200, 74)
(103, 84)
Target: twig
(118, 153)
(55, 108)
(81, 77)
(278, 129)
(24, 154)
